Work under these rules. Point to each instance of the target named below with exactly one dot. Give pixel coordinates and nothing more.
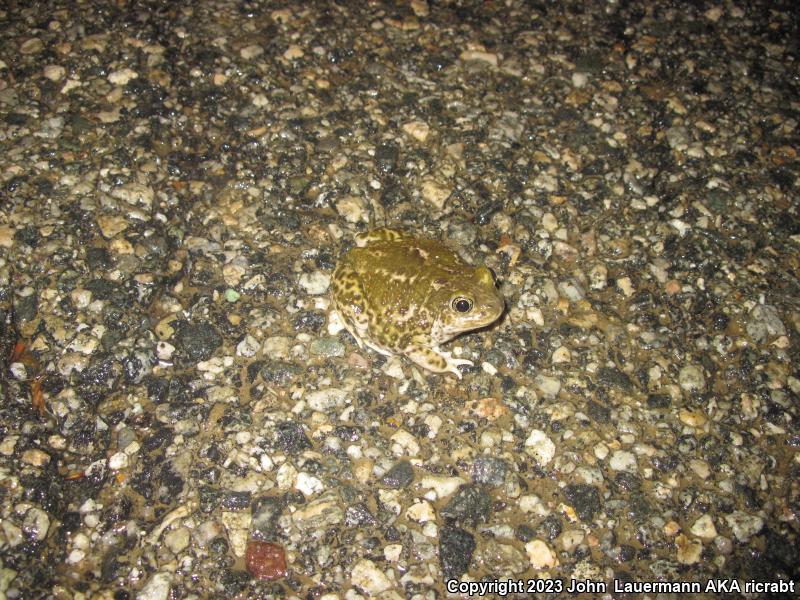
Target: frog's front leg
(436, 360)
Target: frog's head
(472, 302)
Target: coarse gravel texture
(178, 179)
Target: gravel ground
(178, 180)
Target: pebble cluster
(177, 180)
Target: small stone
(456, 547)
(293, 52)
(489, 470)
(678, 137)
(315, 283)
(111, 225)
(420, 8)
(561, 355)
(622, 460)
(434, 193)
(308, 484)
(692, 418)
(135, 193)
(672, 287)
(584, 498)
(6, 236)
(198, 341)
(549, 386)
(265, 560)
(327, 346)
(327, 399)
(232, 273)
(625, 285)
(36, 524)
(54, 72)
(164, 350)
(442, 485)
(598, 277)
(601, 451)
(764, 323)
(399, 476)
(118, 461)
(540, 555)
(352, 208)
(31, 46)
(691, 379)
(531, 503)
(156, 588)
(421, 511)
(689, 550)
(704, 528)
(743, 525)
(418, 130)
(251, 51)
(540, 447)
(579, 80)
(35, 457)
(177, 540)
(404, 444)
(367, 576)
(502, 558)
(671, 528)
(549, 222)
(248, 347)
(8, 444)
(18, 371)
(700, 468)
(477, 55)
(122, 76)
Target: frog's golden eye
(461, 304)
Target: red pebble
(265, 560)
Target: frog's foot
(437, 361)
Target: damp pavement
(178, 179)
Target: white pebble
(315, 283)
(248, 347)
(404, 444)
(540, 447)
(442, 485)
(118, 461)
(308, 484)
(324, 400)
(421, 512)
(579, 80)
(55, 72)
(549, 386)
(704, 528)
(122, 76)
(540, 555)
(622, 460)
(561, 355)
(156, 588)
(164, 350)
(370, 578)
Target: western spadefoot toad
(399, 294)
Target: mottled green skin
(395, 293)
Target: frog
(400, 294)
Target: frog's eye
(461, 304)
